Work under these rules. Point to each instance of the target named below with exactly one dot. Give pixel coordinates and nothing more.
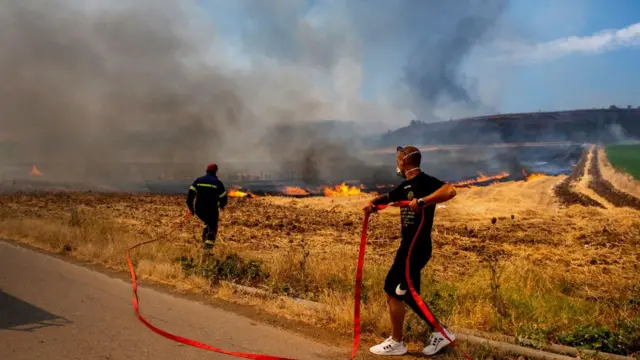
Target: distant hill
(595, 126)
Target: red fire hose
(423, 307)
(168, 335)
(358, 289)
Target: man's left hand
(413, 205)
(369, 208)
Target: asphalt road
(51, 309)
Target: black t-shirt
(420, 186)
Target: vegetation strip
(624, 158)
(620, 179)
(605, 189)
(550, 351)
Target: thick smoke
(432, 71)
(88, 83)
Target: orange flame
(342, 190)
(482, 178)
(294, 190)
(35, 171)
(235, 192)
(533, 176)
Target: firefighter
(424, 192)
(205, 196)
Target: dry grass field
(620, 179)
(508, 258)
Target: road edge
(318, 334)
(551, 351)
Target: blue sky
(574, 80)
(566, 74)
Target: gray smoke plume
(432, 71)
(86, 83)
(620, 136)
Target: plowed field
(538, 259)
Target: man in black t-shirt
(423, 192)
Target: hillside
(323, 152)
(594, 126)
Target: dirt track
(605, 189)
(587, 187)
(566, 195)
(620, 179)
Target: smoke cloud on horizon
(156, 81)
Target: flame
(237, 193)
(482, 178)
(342, 190)
(533, 176)
(294, 190)
(35, 171)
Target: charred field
(515, 255)
(461, 165)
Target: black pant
(210, 230)
(395, 284)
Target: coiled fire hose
(358, 289)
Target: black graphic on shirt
(418, 187)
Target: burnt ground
(585, 257)
(566, 196)
(605, 189)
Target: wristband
(420, 202)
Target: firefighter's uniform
(205, 196)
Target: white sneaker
(437, 342)
(389, 347)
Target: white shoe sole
(441, 346)
(390, 353)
